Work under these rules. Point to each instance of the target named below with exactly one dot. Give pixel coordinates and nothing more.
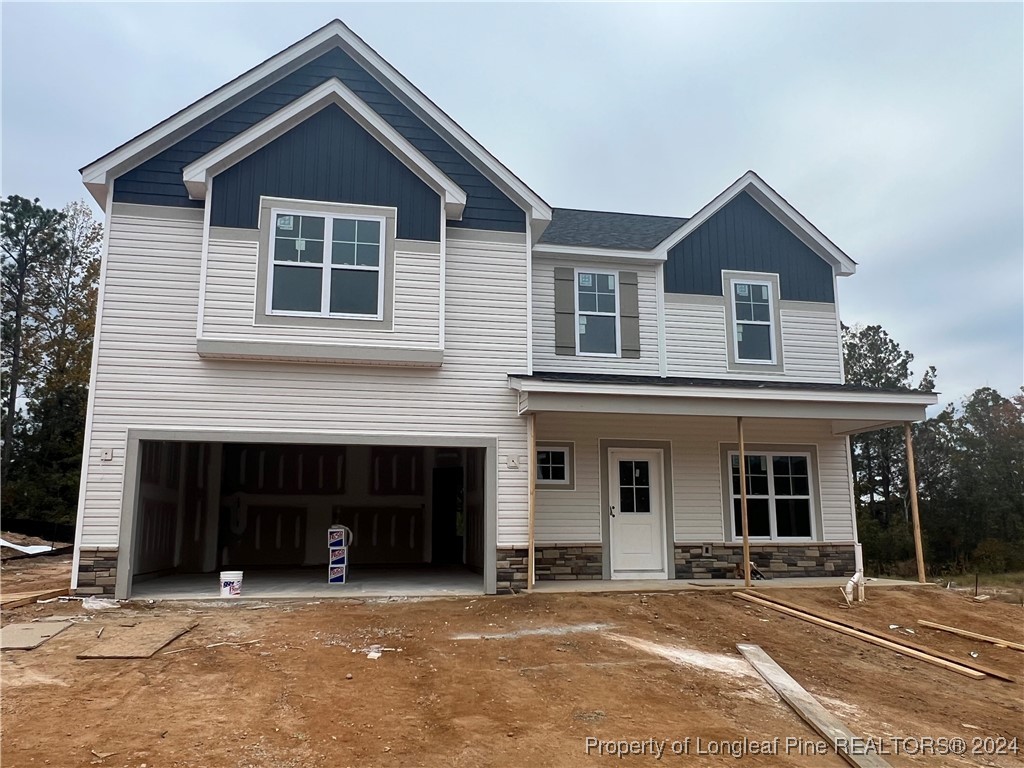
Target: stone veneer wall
(552, 563)
(774, 560)
(97, 571)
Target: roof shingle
(604, 229)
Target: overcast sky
(896, 129)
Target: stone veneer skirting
(97, 571)
(774, 560)
(551, 563)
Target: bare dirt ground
(531, 678)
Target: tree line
(50, 270)
(970, 471)
(969, 456)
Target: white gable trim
(776, 205)
(197, 175)
(99, 174)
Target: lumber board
(972, 635)
(138, 642)
(892, 646)
(827, 725)
(18, 599)
(877, 633)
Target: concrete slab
(312, 583)
(680, 585)
(25, 637)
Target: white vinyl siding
(231, 292)
(697, 332)
(150, 376)
(574, 517)
(544, 357)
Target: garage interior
(416, 515)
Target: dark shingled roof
(678, 381)
(602, 229)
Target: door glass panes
(635, 487)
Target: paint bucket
(230, 583)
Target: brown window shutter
(629, 314)
(565, 311)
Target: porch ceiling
(851, 409)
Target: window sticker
(583, 324)
(586, 280)
(300, 245)
(742, 289)
(286, 223)
(611, 282)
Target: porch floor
(312, 582)
(674, 585)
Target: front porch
(662, 480)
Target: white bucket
(230, 583)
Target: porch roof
(851, 408)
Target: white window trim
(618, 314)
(773, 527)
(736, 322)
(569, 457)
(327, 265)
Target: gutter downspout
(531, 428)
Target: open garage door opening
(416, 516)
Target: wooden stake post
(743, 503)
(915, 516)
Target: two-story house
(323, 302)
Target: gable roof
(776, 205)
(99, 175)
(197, 175)
(602, 229)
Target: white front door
(636, 514)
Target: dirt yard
(508, 681)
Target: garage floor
(312, 582)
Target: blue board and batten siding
(158, 181)
(331, 158)
(743, 236)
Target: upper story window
(326, 265)
(597, 313)
(753, 319)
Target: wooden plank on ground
(972, 635)
(24, 637)
(876, 633)
(891, 645)
(138, 642)
(18, 599)
(827, 725)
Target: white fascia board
(197, 175)
(778, 207)
(614, 254)
(100, 173)
(723, 393)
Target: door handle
(611, 509)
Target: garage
(417, 516)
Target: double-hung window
(326, 265)
(752, 322)
(597, 313)
(779, 502)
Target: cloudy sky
(896, 129)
